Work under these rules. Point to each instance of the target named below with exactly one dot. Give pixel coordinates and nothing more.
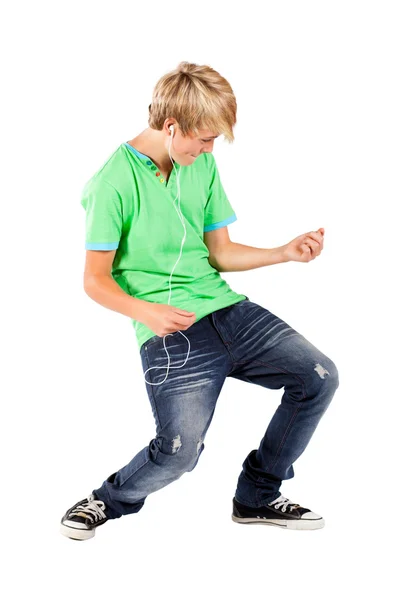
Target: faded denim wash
(245, 341)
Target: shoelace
(284, 503)
(93, 508)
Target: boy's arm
(226, 255)
(238, 257)
(215, 240)
(102, 288)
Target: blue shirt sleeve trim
(101, 246)
(230, 219)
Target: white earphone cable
(180, 215)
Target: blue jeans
(247, 342)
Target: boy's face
(185, 150)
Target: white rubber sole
(283, 523)
(77, 534)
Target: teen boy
(134, 234)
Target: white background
(317, 145)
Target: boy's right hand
(164, 318)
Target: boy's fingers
(315, 235)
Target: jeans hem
(253, 505)
(110, 513)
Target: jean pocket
(151, 341)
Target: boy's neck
(152, 143)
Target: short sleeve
(103, 207)
(218, 211)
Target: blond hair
(197, 97)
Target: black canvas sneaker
(280, 512)
(80, 521)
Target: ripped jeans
(245, 341)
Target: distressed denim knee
(179, 453)
(321, 382)
(325, 374)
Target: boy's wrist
(282, 254)
(139, 309)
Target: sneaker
(280, 512)
(80, 521)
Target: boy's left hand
(305, 247)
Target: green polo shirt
(130, 207)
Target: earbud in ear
(171, 128)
